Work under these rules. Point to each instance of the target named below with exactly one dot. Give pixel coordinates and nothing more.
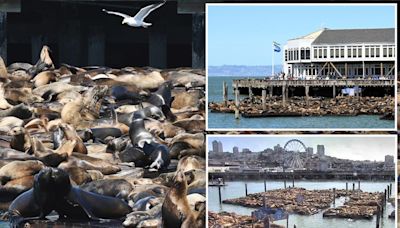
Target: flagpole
(273, 70)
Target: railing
(264, 83)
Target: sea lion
(122, 93)
(18, 169)
(43, 78)
(134, 154)
(71, 134)
(153, 112)
(90, 163)
(3, 69)
(162, 96)
(20, 139)
(3, 102)
(138, 134)
(52, 190)
(142, 80)
(176, 211)
(10, 122)
(191, 162)
(103, 132)
(119, 188)
(158, 155)
(20, 111)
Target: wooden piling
(346, 188)
(264, 99)
(359, 185)
(354, 187)
(265, 185)
(307, 94)
(284, 95)
(237, 113)
(388, 195)
(219, 194)
(245, 188)
(293, 180)
(225, 93)
(334, 91)
(390, 188)
(271, 91)
(250, 93)
(378, 217)
(284, 183)
(334, 196)
(237, 97)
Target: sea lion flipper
(76, 196)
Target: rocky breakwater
(297, 106)
(293, 200)
(226, 219)
(86, 137)
(361, 205)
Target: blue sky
(349, 147)
(243, 35)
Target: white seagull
(138, 19)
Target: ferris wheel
(293, 149)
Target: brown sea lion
(20, 139)
(176, 211)
(18, 169)
(71, 134)
(191, 162)
(43, 78)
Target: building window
(360, 71)
(359, 52)
(377, 70)
(307, 53)
(367, 51)
(342, 52)
(320, 53)
(384, 50)
(302, 53)
(349, 52)
(337, 52)
(332, 52)
(377, 52)
(372, 52)
(325, 53)
(354, 52)
(286, 56)
(390, 51)
(315, 53)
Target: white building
(341, 53)
(220, 148)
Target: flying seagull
(138, 19)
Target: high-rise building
(246, 151)
(278, 148)
(321, 150)
(220, 149)
(235, 150)
(389, 160)
(309, 151)
(215, 146)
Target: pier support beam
(158, 46)
(3, 36)
(69, 43)
(96, 46)
(237, 97)
(198, 40)
(334, 91)
(271, 91)
(225, 93)
(307, 95)
(264, 99)
(250, 93)
(284, 95)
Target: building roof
(345, 36)
(312, 35)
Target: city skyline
(248, 41)
(373, 148)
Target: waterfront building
(320, 150)
(341, 53)
(389, 162)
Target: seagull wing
(145, 11)
(116, 13)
